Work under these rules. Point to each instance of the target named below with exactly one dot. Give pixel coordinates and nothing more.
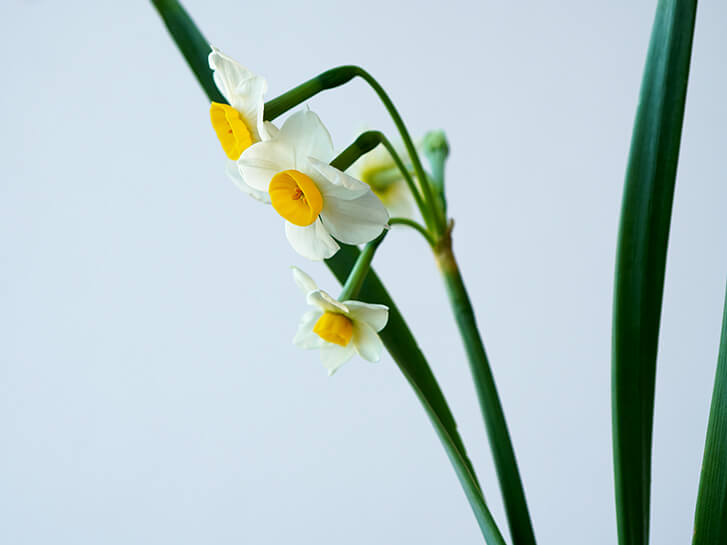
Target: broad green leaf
(396, 335)
(710, 520)
(641, 260)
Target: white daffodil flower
(318, 201)
(238, 124)
(339, 329)
(377, 169)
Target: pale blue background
(149, 391)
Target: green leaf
(191, 43)
(641, 260)
(710, 520)
(403, 348)
(396, 335)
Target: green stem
(508, 474)
(339, 76)
(365, 142)
(413, 224)
(330, 79)
(360, 269)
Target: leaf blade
(190, 41)
(641, 260)
(710, 518)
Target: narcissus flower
(318, 201)
(378, 170)
(238, 124)
(339, 329)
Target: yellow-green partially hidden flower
(339, 329)
(377, 169)
(318, 201)
(239, 124)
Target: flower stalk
(416, 226)
(435, 220)
(360, 269)
(508, 475)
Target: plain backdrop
(149, 390)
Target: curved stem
(364, 143)
(438, 221)
(414, 225)
(508, 474)
(339, 76)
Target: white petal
(333, 356)
(228, 74)
(374, 315)
(305, 338)
(261, 161)
(233, 171)
(339, 184)
(312, 242)
(325, 302)
(367, 342)
(303, 281)
(354, 221)
(243, 89)
(249, 101)
(269, 131)
(305, 132)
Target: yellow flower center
(234, 134)
(334, 328)
(295, 197)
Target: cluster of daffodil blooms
(288, 168)
(333, 203)
(338, 207)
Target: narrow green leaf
(710, 520)
(468, 481)
(403, 348)
(396, 335)
(641, 260)
(191, 43)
